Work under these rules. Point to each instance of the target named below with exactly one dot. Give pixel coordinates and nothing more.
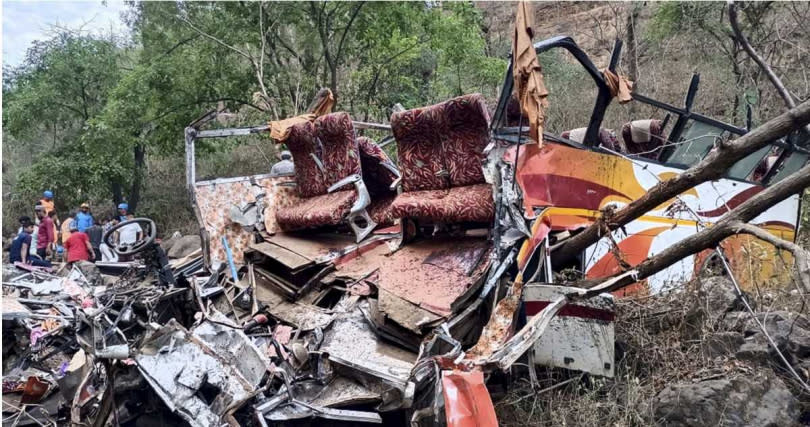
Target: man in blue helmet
(84, 219)
(123, 209)
(47, 201)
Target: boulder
(719, 294)
(184, 246)
(790, 332)
(716, 300)
(757, 399)
(167, 244)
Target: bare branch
(711, 167)
(777, 83)
(709, 237)
(800, 256)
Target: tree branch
(777, 83)
(709, 237)
(711, 167)
(800, 256)
(348, 27)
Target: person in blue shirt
(84, 219)
(22, 244)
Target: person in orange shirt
(47, 201)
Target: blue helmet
(48, 194)
(123, 206)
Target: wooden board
(290, 259)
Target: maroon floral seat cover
(440, 156)
(303, 143)
(331, 139)
(470, 203)
(341, 156)
(378, 179)
(323, 210)
(644, 138)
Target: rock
(167, 244)
(184, 246)
(790, 331)
(760, 399)
(719, 293)
(715, 301)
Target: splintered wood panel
(315, 247)
(290, 259)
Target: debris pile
(70, 339)
(304, 328)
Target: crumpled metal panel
(215, 198)
(435, 274)
(204, 374)
(352, 343)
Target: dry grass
(660, 340)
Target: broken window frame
(794, 147)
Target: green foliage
(87, 113)
(673, 18)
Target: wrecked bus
(366, 276)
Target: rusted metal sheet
(216, 197)
(304, 316)
(405, 313)
(435, 275)
(415, 274)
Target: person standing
(46, 235)
(77, 246)
(47, 201)
(285, 166)
(95, 232)
(21, 245)
(128, 235)
(84, 219)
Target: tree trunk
(137, 177)
(117, 192)
(708, 238)
(710, 168)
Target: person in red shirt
(77, 246)
(46, 234)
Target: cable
(719, 252)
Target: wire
(737, 289)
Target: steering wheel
(150, 234)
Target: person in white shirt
(128, 235)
